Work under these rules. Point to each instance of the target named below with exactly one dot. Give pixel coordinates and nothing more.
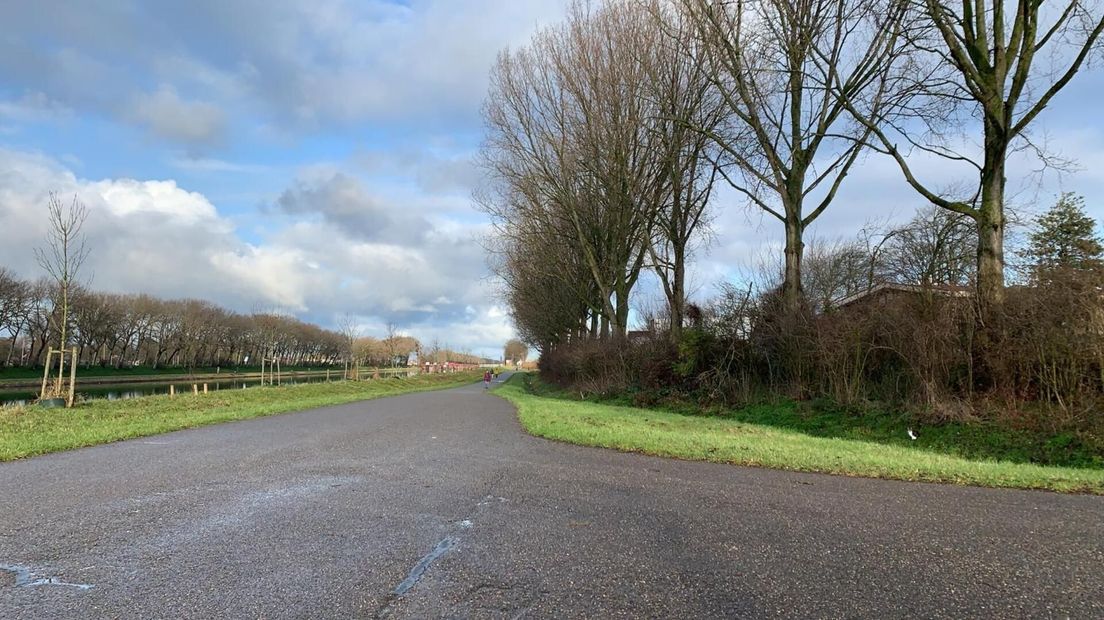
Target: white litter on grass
(912, 435)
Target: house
(887, 291)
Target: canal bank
(23, 390)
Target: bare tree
(62, 258)
(936, 248)
(688, 112)
(515, 350)
(15, 300)
(789, 140)
(992, 62)
(573, 157)
(833, 271)
(391, 342)
(350, 332)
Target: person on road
(486, 380)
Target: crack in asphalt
(420, 568)
(443, 546)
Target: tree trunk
(792, 291)
(621, 325)
(11, 348)
(990, 224)
(678, 292)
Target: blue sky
(316, 157)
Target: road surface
(438, 505)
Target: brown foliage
(920, 350)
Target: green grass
(978, 440)
(728, 440)
(30, 431)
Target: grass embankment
(732, 440)
(30, 431)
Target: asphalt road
(438, 505)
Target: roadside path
(437, 504)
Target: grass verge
(725, 440)
(30, 431)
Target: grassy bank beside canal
(23, 377)
(30, 431)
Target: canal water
(23, 396)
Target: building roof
(943, 290)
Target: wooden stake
(45, 374)
(172, 390)
(72, 380)
(195, 389)
(204, 388)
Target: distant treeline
(119, 331)
(129, 330)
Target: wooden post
(61, 371)
(172, 390)
(45, 373)
(72, 380)
(195, 389)
(327, 375)
(204, 388)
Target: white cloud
(152, 236)
(282, 276)
(124, 197)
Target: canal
(116, 391)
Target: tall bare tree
(687, 113)
(789, 140)
(571, 150)
(995, 63)
(62, 257)
(350, 331)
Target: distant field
(30, 431)
(729, 440)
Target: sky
(316, 157)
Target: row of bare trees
(608, 133)
(394, 350)
(131, 330)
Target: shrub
(1039, 362)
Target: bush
(1038, 363)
